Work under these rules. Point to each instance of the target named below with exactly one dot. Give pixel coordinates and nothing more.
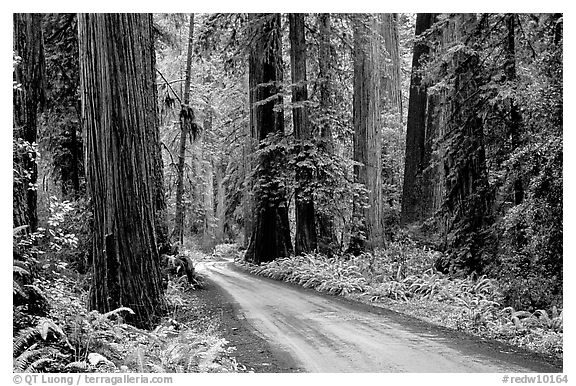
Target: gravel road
(328, 334)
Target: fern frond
(18, 290)
(20, 270)
(155, 368)
(37, 365)
(46, 324)
(19, 229)
(116, 311)
(22, 362)
(78, 367)
(23, 338)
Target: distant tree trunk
(186, 122)
(515, 116)
(159, 195)
(247, 151)
(391, 78)
(270, 236)
(325, 223)
(208, 191)
(367, 135)
(28, 100)
(119, 110)
(62, 110)
(416, 197)
(220, 210)
(305, 240)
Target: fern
(20, 270)
(38, 365)
(117, 311)
(33, 359)
(23, 339)
(78, 367)
(18, 290)
(156, 368)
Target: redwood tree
(367, 134)
(28, 99)
(187, 128)
(119, 111)
(305, 240)
(324, 221)
(270, 236)
(416, 199)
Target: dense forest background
(397, 143)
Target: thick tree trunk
(325, 223)
(467, 202)
(416, 195)
(186, 121)
(119, 111)
(367, 135)
(28, 99)
(270, 236)
(305, 240)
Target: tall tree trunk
(324, 221)
(270, 236)
(119, 111)
(515, 122)
(186, 122)
(467, 201)
(305, 240)
(159, 195)
(367, 135)
(220, 209)
(208, 191)
(28, 100)
(391, 78)
(416, 197)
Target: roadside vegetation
(402, 278)
(54, 332)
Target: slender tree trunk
(325, 223)
(159, 195)
(270, 236)
(220, 209)
(391, 79)
(119, 110)
(208, 191)
(305, 240)
(416, 198)
(367, 135)
(247, 200)
(515, 116)
(186, 121)
(28, 100)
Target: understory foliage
(402, 277)
(68, 338)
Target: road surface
(328, 334)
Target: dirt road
(328, 334)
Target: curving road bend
(328, 334)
